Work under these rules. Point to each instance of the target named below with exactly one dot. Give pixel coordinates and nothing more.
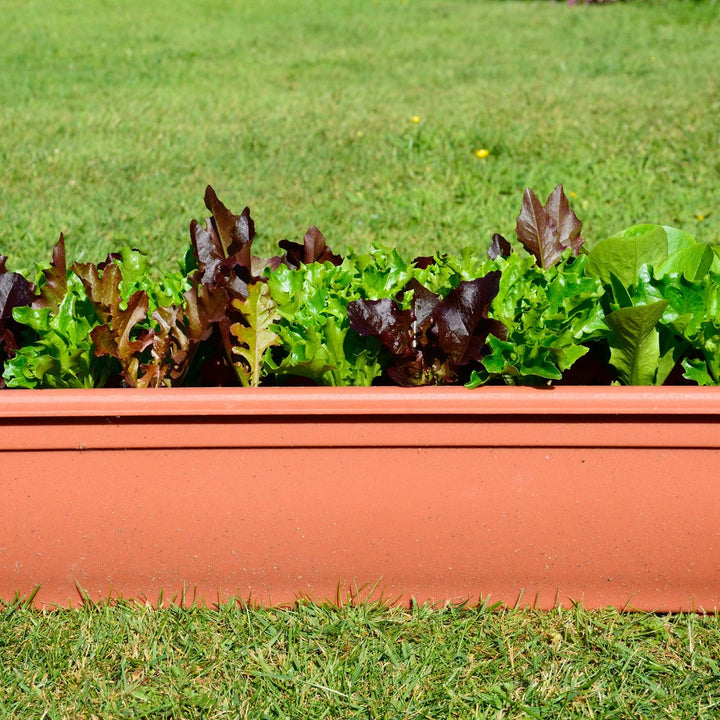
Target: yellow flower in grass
(482, 153)
(700, 217)
(573, 194)
(415, 119)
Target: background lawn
(115, 115)
(363, 118)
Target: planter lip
(344, 401)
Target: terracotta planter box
(607, 496)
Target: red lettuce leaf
(102, 285)
(461, 320)
(424, 261)
(386, 320)
(235, 232)
(222, 249)
(313, 249)
(152, 352)
(435, 340)
(547, 231)
(177, 334)
(113, 338)
(499, 247)
(208, 250)
(119, 333)
(54, 289)
(566, 221)
(234, 273)
(424, 304)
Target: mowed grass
(113, 118)
(356, 662)
(115, 115)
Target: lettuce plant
(644, 305)
(546, 301)
(94, 324)
(154, 332)
(434, 340)
(222, 250)
(61, 353)
(15, 292)
(661, 305)
(316, 340)
(550, 316)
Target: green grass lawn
(356, 662)
(115, 115)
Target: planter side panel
(539, 525)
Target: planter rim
(332, 401)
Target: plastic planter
(605, 496)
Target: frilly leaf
(254, 336)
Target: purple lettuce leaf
(499, 247)
(233, 272)
(313, 249)
(461, 320)
(435, 340)
(423, 262)
(386, 320)
(566, 221)
(54, 287)
(15, 291)
(424, 304)
(547, 231)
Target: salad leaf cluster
(661, 304)
(15, 293)
(641, 307)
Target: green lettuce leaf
(63, 353)
(316, 341)
(550, 314)
(254, 336)
(623, 255)
(666, 249)
(635, 343)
